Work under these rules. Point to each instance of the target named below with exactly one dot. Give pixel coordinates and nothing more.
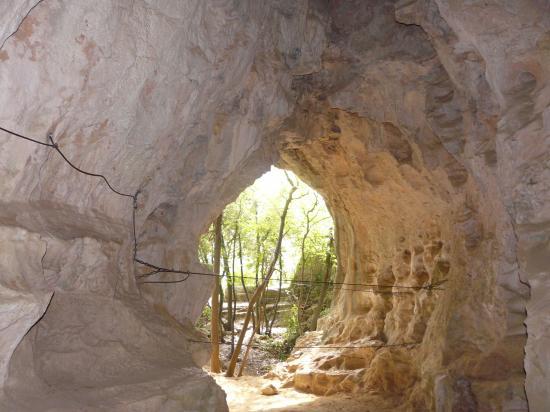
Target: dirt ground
(243, 395)
(259, 361)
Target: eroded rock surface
(424, 124)
(411, 174)
(171, 98)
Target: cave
(424, 124)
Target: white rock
(268, 389)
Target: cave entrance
(300, 271)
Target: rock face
(425, 124)
(171, 98)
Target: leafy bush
(277, 348)
(203, 323)
(326, 310)
(292, 328)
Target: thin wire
(320, 347)
(134, 197)
(159, 269)
(187, 273)
(26, 138)
(168, 281)
(433, 286)
(56, 147)
(378, 292)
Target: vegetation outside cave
(287, 308)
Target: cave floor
(243, 395)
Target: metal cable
(432, 286)
(321, 346)
(56, 147)
(134, 197)
(187, 273)
(26, 138)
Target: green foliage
(279, 349)
(203, 323)
(250, 228)
(326, 309)
(206, 247)
(292, 330)
(254, 218)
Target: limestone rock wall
(507, 42)
(423, 123)
(407, 130)
(173, 98)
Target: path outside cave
(244, 393)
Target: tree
(269, 327)
(228, 278)
(258, 292)
(301, 304)
(215, 365)
(324, 285)
(249, 239)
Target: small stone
(269, 389)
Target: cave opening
(127, 127)
(300, 284)
(392, 267)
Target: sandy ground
(259, 361)
(243, 395)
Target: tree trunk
(260, 269)
(233, 317)
(324, 286)
(258, 292)
(220, 310)
(233, 257)
(242, 267)
(301, 303)
(276, 306)
(245, 357)
(258, 244)
(258, 307)
(227, 273)
(215, 364)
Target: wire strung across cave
(375, 288)
(387, 345)
(187, 273)
(406, 345)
